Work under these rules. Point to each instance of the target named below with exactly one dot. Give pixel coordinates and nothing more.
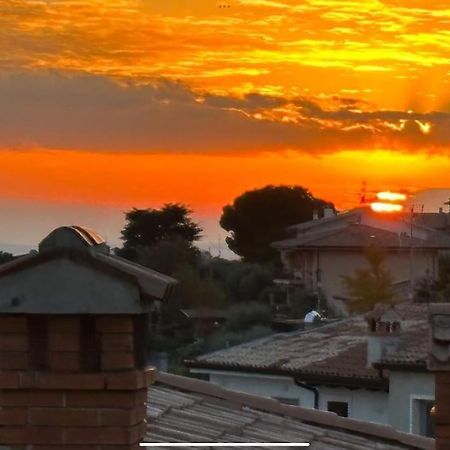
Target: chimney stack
(384, 327)
(73, 333)
(439, 363)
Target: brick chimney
(73, 333)
(439, 363)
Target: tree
(260, 217)
(167, 256)
(371, 285)
(147, 227)
(5, 257)
(242, 282)
(429, 289)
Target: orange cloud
(85, 112)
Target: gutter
(314, 378)
(313, 389)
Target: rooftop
(360, 228)
(73, 256)
(332, 354)
(184, 409)
(362, 236)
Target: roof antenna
(362, 197)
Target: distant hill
(16, 249)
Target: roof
(440, 221)
(63, 249)
(205, 313)
(333, 354)
(184, 409)
(362, 236)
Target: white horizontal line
(226, 444)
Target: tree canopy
(371, 285)
(259, 217)
(147, 227)
(5, 257)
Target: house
(184, 409)
(322, 251)
(369, 368)
(73, 372)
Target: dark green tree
(167, 256)
(370, 285)
(260, 217)
(5, 257)
(147, 227)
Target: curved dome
(73, 236)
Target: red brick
(74, 417)
(9, 380)
(101, 435)
(442, 444)
(117, 360)
(15, 324)
(115, 324)
(64, 361)
(117, 342)
(12, 342)
(141, 397)
(106, 399)
(31, 398)
(443, 431)
(88, 381)
(13, 416)
(64, 342)
(13, 360)
(130, 380)
(27, 380)
(30, 435)
(64, 325)
(122, 417)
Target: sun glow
(386, 207)
(391, 196)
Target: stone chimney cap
(74, 273)
(75, 237)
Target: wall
(333, 264)
(404, 386)
(363, 404)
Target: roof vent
(73, 237)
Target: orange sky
(137, 102)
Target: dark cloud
(86, 112)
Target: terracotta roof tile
(188, 410)
(336, 350)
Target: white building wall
(365, 405)
(404, 388)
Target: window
(421, 421)
(287, 401)
(340, 408)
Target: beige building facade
(324, 251)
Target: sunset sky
(106, 105)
